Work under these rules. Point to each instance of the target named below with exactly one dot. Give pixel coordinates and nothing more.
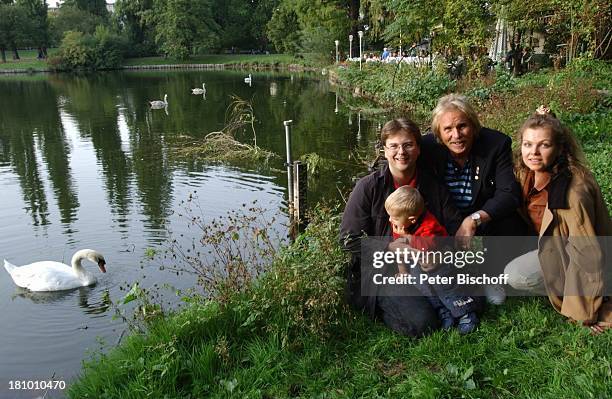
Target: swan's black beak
(101, 264)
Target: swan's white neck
(76, 261)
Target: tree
(95, 7)
(282, 32)
(135, 18)
(39, 24)
(185, 27)
(243, 23)
(262, 13)
(14, 28)
(234, 19)
(319, 23)
(70, 18)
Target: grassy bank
(29, 61)
(290, 334)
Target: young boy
(411, 221)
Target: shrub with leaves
(102, 50)
(304, 290)
(399, 86)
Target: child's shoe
(468, 323)
(447, 320)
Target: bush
(403, 87)
(102, 50)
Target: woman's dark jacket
(365, 215)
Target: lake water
(84, 163)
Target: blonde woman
(564, 205)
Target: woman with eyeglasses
(409, 313)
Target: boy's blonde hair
(405, 200)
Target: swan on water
(55, 276)
(157, 104)
(198, 90)
(248, 79)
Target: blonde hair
(453, 102)
(570, 155)
(405, 200)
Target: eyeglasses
(395, 147)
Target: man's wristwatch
(476, 218)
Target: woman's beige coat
(571, 249)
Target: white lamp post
(337, 42)
(350, 46)
(400, 50)
(336, 109)
(360, 33)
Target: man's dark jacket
(365, 215)
(494, 187)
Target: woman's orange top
(536, 198)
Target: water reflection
(41, 117)
(84, 298)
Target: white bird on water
(248, 79)
(198, 90)
(55, 276)
(158, 104)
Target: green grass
(27, 60)
(258, 346)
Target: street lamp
(360, 33)
(336, 109)
(337, 43)
(350, 46)
(400, 46)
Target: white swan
(248, 80)
(198, 90)
(55, 276)
(158, 104)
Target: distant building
(53, 7)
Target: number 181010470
(36, 384)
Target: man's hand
(467, 230)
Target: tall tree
(185, 27)
(71, 18)
(243, 23)
(14, 28)
(39, 33)
(319, 23)
(283, 30)
(136, 19)
(95, 7)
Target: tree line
(88, 34)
